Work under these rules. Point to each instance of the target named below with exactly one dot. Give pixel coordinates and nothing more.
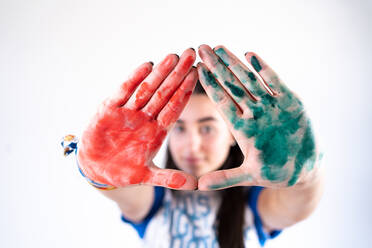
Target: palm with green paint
(267, 120)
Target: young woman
(242, 161)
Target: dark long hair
(230, 216)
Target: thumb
(170, 178)
(222, 179)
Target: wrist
(69, 144)
(100, 186)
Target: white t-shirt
(187, 220)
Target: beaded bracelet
(69, 144)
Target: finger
(222, 179)
(149, 85)
(170, 84)
(172, 110)
(168, 178)
(127, 88)
(224, 76)
(225, 105)
(268, 75)
(241, 71)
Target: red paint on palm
(141, 98)
(152, 81)
(121, 142)
(170, 84)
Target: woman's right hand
(119, 144)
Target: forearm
(287, 206)
(134, 201)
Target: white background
(60, 59)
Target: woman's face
(200, 139)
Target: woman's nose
(194, 141)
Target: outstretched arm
(272, 129)
(119, 144)
(283, 207)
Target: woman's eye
(179, 129)
(206, 129)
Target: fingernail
(176, 55)
(151, 62)
(246, 54)
(192, 48)
(219, 47)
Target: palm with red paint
(118, 146)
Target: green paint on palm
(231, 182)
(209, 79)
(281, 130)
(223, 55)
(256, 65)
(251, 76)
(248, 79)
(305, 154)
(236, 90)
(253, 85)
(276, 126)
(310, 164)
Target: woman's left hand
(267, 120)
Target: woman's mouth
(192, 160)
